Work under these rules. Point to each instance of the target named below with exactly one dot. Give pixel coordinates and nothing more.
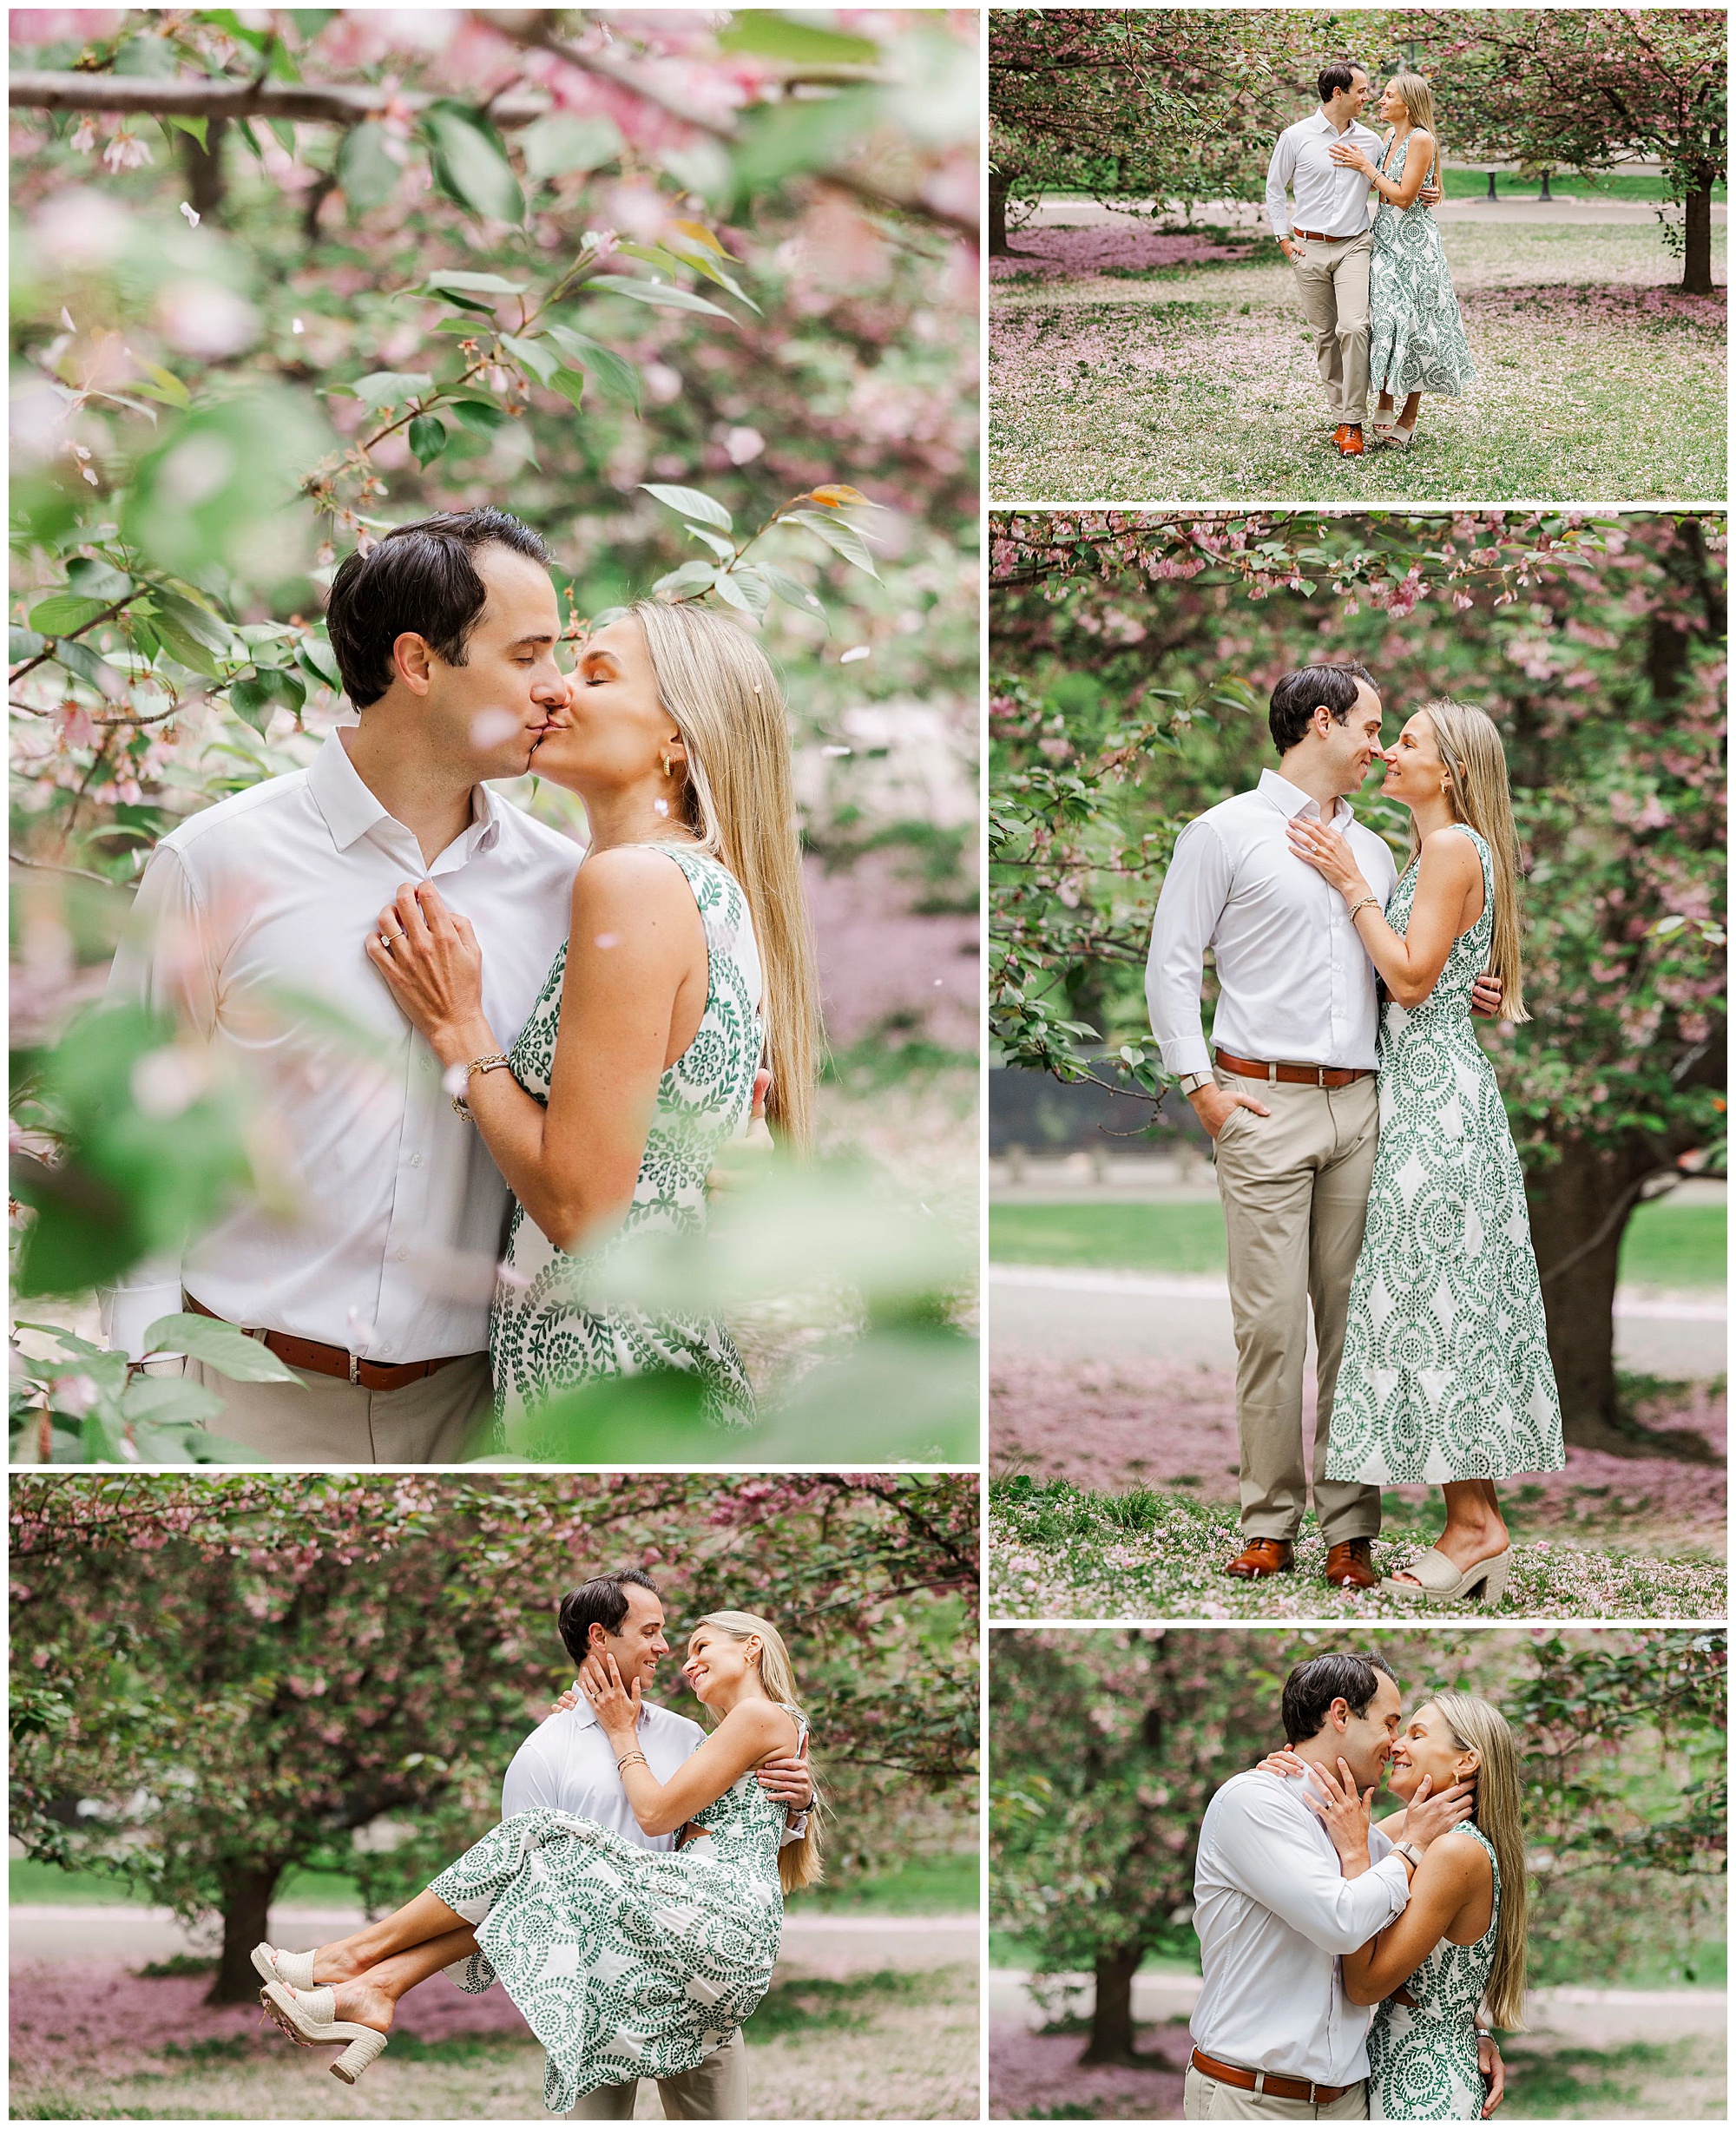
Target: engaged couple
(1354, 1969)
(1378, 296)
(630, 1902)
(1364, 1160)
(495, 1058)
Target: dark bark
(1112, 2016)
(998, 245)
(205, 186)
(247, 1889)
(1697, 241)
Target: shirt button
(403, 1255)
(416, 1160)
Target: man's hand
(785, 1779)
(1428, 1817)
(1215, 1105)
(1494, 2071)
(1485, 997)
(1431, 195)
(1290, 247)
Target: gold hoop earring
(664, 758)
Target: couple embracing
(493, 1055)
(630, 1902)
(1363, 1156)
(1355, 1968)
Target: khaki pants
(1207, 2099)
(1331, 279)
(716, 2090)
(439, 1420)
(1295, 1186)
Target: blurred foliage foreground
(217, 1681)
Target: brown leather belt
(1319, 236)
(317, 1359)
(1265, 2081)
(1291, 1074)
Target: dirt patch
(1039, 2075)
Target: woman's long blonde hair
(1480, 1727)
(740, 802)
(1470, 749)
(1418, 99)
(799, 1861)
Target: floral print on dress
(626, 1961)
(545, 1337)
(1446, 1370)
(1421, 2063)
(1417, 338)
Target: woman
(1460, 1942)
(688, 955)
(1417, 338)
(626, 1962)
(1445, 1378)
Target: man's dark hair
(1340, 75)
(419, 579)
(600, 1602)
(1311, 1687)
(1298, 695)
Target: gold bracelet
(1368, 901)
(629, 1759)
(478, 1064)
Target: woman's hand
(1344, 1810)
(568, 1699)
(1329, 855)
(617, 1707)
(1283, 1761)
(1349, 157)
(433, 967)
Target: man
(1275, 2037)
(372, 1282)
(1290, 1107)
(568, 1765)
(1330, 243)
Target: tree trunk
(247, 1890)
(998, 245)
(205, 171)
(1112, 2014)
(1697, 242)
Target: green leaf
(842, 538)
(232, 1352)
(63, 611)
(776, 36)
(535, 355)
(282, 131)
(689, 577)
(365, 171)
(468, 166)
(195, 621)
(790, 589)
(22, 643)
(164, 386)
(427, 438)
(79, 658)
(445, 283)
(616, 375)
(166, 1401)
(480, 416)
(745, 588)
(779, 140)
(182, 123)
(93, 579)
(660, 294)
(564, 141)
(691, 504)
(392, 387)
(570, 385)
(314, 656)
(723, 549)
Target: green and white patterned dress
(544, 1338)
(625, 1961)
(1446, 1370)
(1415, 338)
(1422, 2064)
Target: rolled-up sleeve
(1195, 891)
(1278, 173)
(1259, 1852)
(167, 961)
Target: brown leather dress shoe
(1348, 437)
(1262, 1556)
(1350, 1565)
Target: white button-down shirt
(1295, 984)
(1273, 1912)
(567, 1763)
(253, 916)
(1332, 198)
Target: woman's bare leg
(1407, 420)
(424, 1920)
(1476, 1528)
(370, 1998)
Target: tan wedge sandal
(312, 2019)
(1438, 1582)
(294, 1969)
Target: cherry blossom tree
(1132, 655)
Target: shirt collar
(1292, 800)
(351, 810)
(586, 1716)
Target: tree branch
(145, 95)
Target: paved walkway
(1250, 213)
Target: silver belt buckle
(355, 1376)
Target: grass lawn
(1641, 2080)
(1676, 1246)
(1196, 381)
(1058, 1551)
